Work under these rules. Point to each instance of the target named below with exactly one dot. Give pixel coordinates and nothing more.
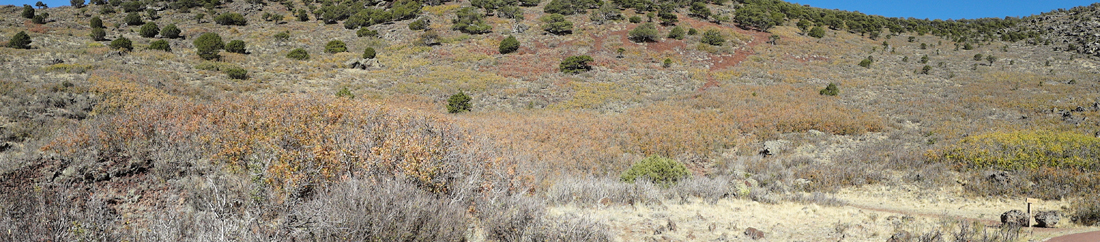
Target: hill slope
(104, 143)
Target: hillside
(798, 122)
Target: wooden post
(1028, 212)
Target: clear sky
(931, 9)
(947, 9)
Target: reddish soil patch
(1080, 237)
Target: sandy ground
(874, 213)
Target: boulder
(363, 64)
(754, 233)
(900, 236)
(1047, 219)
(775, 147)
(1014, 218)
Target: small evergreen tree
(133, 19)
(235, 46)
(646, 32)
(365, 32)
(40, 19)
(98, 34)
(122, 43)
(700, 10)
(830, 90)
(160, 45)
(866, 63)
(419, 24)
(693, 31)
(28, 11)
(298, 54)
(713, 37)
(575, 64)
(369, 53)
(237, 73)
(76, 3)
(149, 30)
(926, 69)
(817, 32)
(458, 103)
(208, 45)
(469, 20)
(676, 33)
(335, 46)
(556, 24)
(20, 41)
(635, 19)
(96, 22)
(170, 31)
(231, 19)
(508, 45)
(303, 15)
(660, 170)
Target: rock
(1014, 218)
(775, 147)
(1047, 219)
(363, 64)
(754, 233)
(56, 61)
(901, 236)
(112, 53)
(999, 177)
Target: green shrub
(282, 36)
(335, 46)
(149, 30)
(458, 103)
(235, 46)
(160, 45)
(303, 15)
(28, 11)
(667, 63)
(39, 19)
(676, 33)
(556, 24)
(713, 37)
(132, 6)
(865, 63)
(926, 69)
(1086, 211)
(667, 17)
(133, 19)
(237, 73)
(98, 34)
(575, 64)
(635, 19)
(344, 92)
(967, 46)
(231, 19)
(365, 32)
(817, 32)
(830, 90)
(170, 31)
(122, 43)
(96, 22)
(469, 20)
(978, 57)
(76, 3)
(20, 41)
(298, 54)
(1026, 150)
(646, 32)
(693, 31)
(208, 45)
(700, 10)
(924, 59)
(508, 45)
(106, 9)
(659, 170)
(529, 3)
(369, 53)
(419, 24)
(151, 14)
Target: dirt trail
(1079, 237)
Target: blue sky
(932, 9)
(945, 9)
